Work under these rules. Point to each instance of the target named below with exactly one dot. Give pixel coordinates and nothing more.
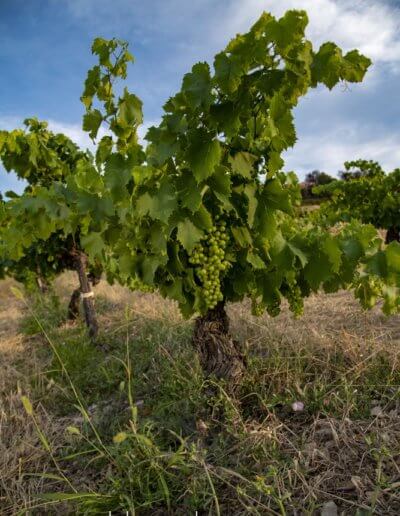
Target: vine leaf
(92, 121)
(93, 244)
(242, 163)
(197, 86)
(203, 155)
(188, 234)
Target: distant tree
(369, 195)
(360, 168)
(312, 179)
(316, 177)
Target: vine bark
(392, 235)
(85, 291)
(219, 353)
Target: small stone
(329, 509)
(202, 427)
(298, 406)
(377, 411)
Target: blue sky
(45, 54)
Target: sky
(45, 55)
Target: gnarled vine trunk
(73, 306)
(219, 353)
(393, 234)
(86, 293)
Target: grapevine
(203, 213)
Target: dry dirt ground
(351, 463)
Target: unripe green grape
(274, 308)
(209, 257)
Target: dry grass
(20, 449)
(334, 352)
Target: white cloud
(328, 151)
(7, 123)
(372, 26)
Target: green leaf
(392, 252)
(275, 196)
(289, 29)
(188, 235)
(161, 204)
(355, 66)
(158, 238)
(226, 117)
(104, 149)
(327, 64)
(117, 173)
(203, 155)
(220, 185)
(377, 265)
(174, 290)
(202, 218)
(176, 122)
(197, 86)
(87, 177)
(103, 48)
(275, 163)
(243, 279)
(189, 192)
(255, 260)
(332, 250)
(142, 173)
(130, 110)
(164, 145)
(93, 244)
(150, 265)
(242, 163)
(299, 253)
(228, 72)
(250, 192)
(242, 236)
(92, 121)
(269, 283)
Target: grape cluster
(257, 308)
(136, 284)
(294, 296)
(208, 257)
(274, 308)
(368, 291)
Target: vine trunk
(392, 235)
(85, 291)
(219, 353)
